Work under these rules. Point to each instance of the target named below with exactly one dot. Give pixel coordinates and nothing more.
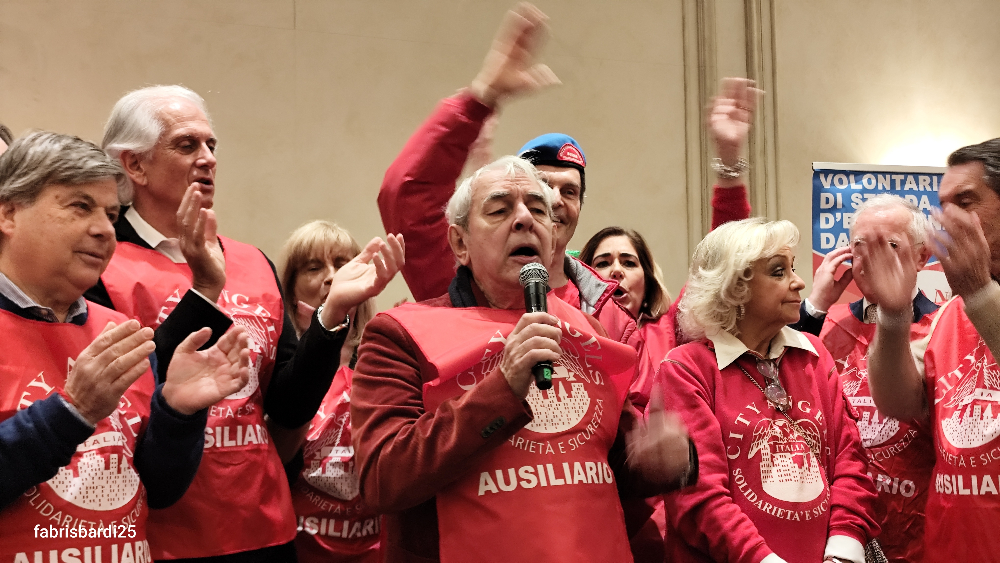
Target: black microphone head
(533, 272)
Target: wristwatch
(729, 172)
(341, 326)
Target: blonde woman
(333, 523)
(783, 474)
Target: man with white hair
(950, 378)
(174, 273)
(900, 452)
(88, 440)
(455, 443)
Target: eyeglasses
(775, 391)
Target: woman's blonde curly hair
(721, 268)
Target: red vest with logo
(100, 489)
(548, 494)
(334, 524)
(963, 387)
(900, 454)
(240, 474)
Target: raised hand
(200, 245)
(363, 277)
(199, 379)
(730, 115)
(890, 270)
(827, 289)
(659, 447)
(107, 367)
(534, 339)
(509, 68)
(962, 249)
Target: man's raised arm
(420, 181)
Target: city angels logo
(567, 403)
(875, 428)
(102, 478)
(789, 470)
(330, 456)
(973, 422)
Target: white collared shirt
(18, 297)
(728, 348)
(169, 247)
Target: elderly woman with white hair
(783, 474)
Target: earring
(739, 311)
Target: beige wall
(313, 99)
(889, 82)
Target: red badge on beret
(569, 153)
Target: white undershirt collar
(169, 247)
(728, 348)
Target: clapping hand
(199, 244)
(962, 248)
(106, 368)
(827, 289)
(891, 272)
(363, 277)
(198, 379)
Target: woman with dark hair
(622, 255)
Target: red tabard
(549, 493)
(240, 472)
(100, 488)
(334, 524)
(900, 454)
(963, 385)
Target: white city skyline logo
(558, 409)
(788, 469)
(971, 425)
(331, 465)
(260, 348)
(874, 427)
(98, 482)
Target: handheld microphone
(534, 279)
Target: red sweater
(761, 490)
